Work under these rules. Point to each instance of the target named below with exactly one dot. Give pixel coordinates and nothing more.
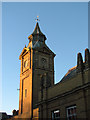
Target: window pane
(71, 110)
(74, 110)
(68, 111)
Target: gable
(45, 49)
(23, 51)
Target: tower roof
(37, 31)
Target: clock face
(25, 63)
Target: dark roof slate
(71, 72)
(37, 30)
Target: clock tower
(37, 70)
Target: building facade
(39, 97)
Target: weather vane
(37, 19)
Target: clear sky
(65, 26)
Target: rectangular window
(25, 92)
(56, 115)
(71, 113)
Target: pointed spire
(37, 34)
(37, 30)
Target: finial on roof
(37, 32)
(37, 19)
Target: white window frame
(70, 115)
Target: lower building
(4, 116)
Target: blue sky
(65, 26)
